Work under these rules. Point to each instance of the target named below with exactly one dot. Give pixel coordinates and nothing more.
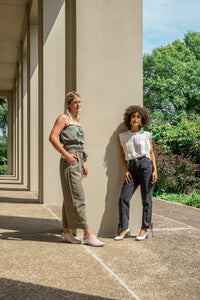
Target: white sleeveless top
(135, 144)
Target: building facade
(95, 48)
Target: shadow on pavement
(32, 229)
(18, 200)
(13, 289)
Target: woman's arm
(127, 176)
(60, 123)
(153, 161)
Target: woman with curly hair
(140, 169)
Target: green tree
(192, 41)
(172, 80)
(3, 114)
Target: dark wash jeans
(141, 171)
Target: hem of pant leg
(78, 227)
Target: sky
(167, 20)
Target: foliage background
(171, 77)
(3, 136)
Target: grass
(192, 199)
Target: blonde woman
(67, 137)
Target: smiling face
(135, 121)
(75, 105)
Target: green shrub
(176, 174)
(181, 139)
(3, 150)
(3, 169)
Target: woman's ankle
(87, 232)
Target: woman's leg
(64, 220)
(146, 192)
(87, 232)
(127, 192)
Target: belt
(78, 149)
(135, 159)
(73, 148)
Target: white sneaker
(68, 237)
(92, 241)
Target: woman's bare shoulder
(63, 119)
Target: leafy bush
(3, 170)
(3, 150)
(176, 174)
(182, 138)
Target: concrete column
(14, 132)
(10, 134)
(104, 63)
(109, 78)
(24, 121)
(17, 124)
(70, 45)
(19, 128)
(51, 102)
(34, 108)
(40, 103)
(28, 103)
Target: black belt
(135, 159)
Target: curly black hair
(133, 109)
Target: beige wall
(34, 108)
(25, 120)
(53, 92)
(109, 78)
(19, 131)
(17, 126)
(13, 125)
(94, 47)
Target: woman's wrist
(66, 155)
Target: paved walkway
(34, 264)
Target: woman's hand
(70, 158)
(85, 170)
(127, 177)
(154, 177)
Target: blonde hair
(68, 98)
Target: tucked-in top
(72, 136)
(135, 144)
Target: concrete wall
(13, 126)
(25, 121)
(94, 47)
(109, 78)
(34, 108)
(53, 92)
(19, 128)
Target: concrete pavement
(34, 264)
